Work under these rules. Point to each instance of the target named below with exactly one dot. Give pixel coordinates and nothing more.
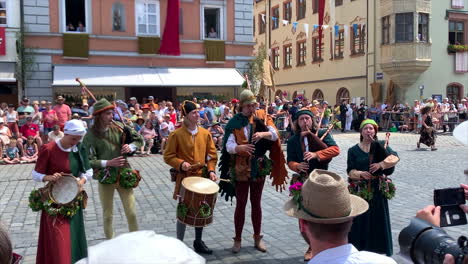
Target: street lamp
(421, 91)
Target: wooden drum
(198, 199)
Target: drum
(65, 190)
(198, 199)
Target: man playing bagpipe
(308, 149)
(109, 142)
(244, 165)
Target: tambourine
(65, 190)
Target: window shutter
(461, 62)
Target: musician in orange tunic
(307, 152)
(189, 149)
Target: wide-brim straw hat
(325, 199)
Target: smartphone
(450, 200)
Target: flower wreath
(205, 210)
(363, 189)
(36, 204)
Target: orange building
(113, 47)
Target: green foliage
(255, 71)
(182, 210)
(36, 203)
(205, 210)
(128, 178)
(457, 48)
(25, 61)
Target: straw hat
(247, 97)
(325, 199)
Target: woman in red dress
(62, 239)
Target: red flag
(321, 12)
(170, 44)
(2, 41)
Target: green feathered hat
(101, 106)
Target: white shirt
(348, 254)
(231, 144)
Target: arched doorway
(455, 92)
(342, 94)
(317, 95)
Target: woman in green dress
(371, 231)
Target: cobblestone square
(417, 174)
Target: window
(317, 95)
(338, 2)
(316, 55)
(339, 45)
(3, 12)
(358, 39)
(423, 27)
(386, 30)
(118, 17)
(458, 4)
(287, 11)
(301, 9)
(147, 15)
(287, 56)
(456, 33)
(213, 22)
(301, 53)
(315, 6)
(404, 27)
(275, 17)
(275, 57)
(75, 16)
(261, 23)
(342, 94)
(454, 91)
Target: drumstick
(225, 180)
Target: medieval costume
(104, 146)
(428, 133)
(369, 164)
(307, 141)
(62, 239)
(195, 147)
(247, 168)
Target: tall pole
(367, 52)
(21, 52)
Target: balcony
(405, 62)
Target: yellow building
(288, 30)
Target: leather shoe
(200, 247)
(308, 254)
(237, 246)
(259, 245)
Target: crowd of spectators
(25, 129)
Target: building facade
(113, 47)
(289, 30)
(373, 51)
(9, 32)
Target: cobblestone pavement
(418, 173)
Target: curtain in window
(458, 3)
(170, 44)
(461, 62)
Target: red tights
(242, 193)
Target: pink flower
(296, 187)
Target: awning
(139, 76)
(7, 72)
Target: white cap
(74, 127)
(142, 247)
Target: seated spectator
(55, 134)
(78, 117)
(12, 153)
(70, 27)
(167, 119)
(164, 133)
(5, 133)
(139, 123)
(30, 151)
(217, 133)
(29, 129)
(225, 116)
(148, 133)
(81, 27)
(12, 120)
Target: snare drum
(198, 198)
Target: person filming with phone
(424, 241)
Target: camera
(423, 243)
(449, 201)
